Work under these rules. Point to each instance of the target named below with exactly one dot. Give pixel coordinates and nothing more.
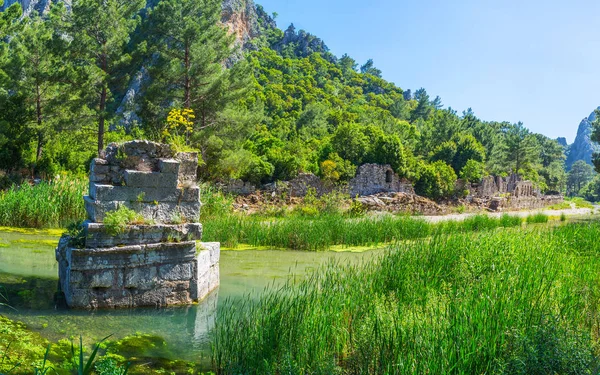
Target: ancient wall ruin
(155, 262)
(375, 178)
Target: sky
(532, 61)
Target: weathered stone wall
(237, 187)
(157, 263)
(374, 178)
(494, 186)
(523, 202)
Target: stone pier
(155, 261)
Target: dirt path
(568, 212)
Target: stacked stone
(155, 263)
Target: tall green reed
(47, 204)
(502, 302)
(327, 230)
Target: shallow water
(28, 274)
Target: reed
(516, 301)
(327, 230)
(45, 205)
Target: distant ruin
(153, 263)
(502, 193)
(493, 192)
(375, 178)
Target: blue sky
(532, 61)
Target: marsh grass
(503, 302)
(538, 218)
(328, 230)
(581, 203)
(45, 205)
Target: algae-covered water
(29, 278)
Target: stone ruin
(375, 178)
(370, 179)
(494, 186)
(155, 262)
(508, 193)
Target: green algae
(33, 231)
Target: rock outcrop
(583, 148)
(154, 261)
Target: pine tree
(101, 31)
(38, 68)
(189, 48)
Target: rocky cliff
(29, 6)
(583, 148)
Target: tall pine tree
(189, 48)
(101, 31)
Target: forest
(73, 80)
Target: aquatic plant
(538, 218)
(45, 205)
(514, 301)
(324, 231)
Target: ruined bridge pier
(157, 261)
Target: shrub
(436, 180)
(473, 171)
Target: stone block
(150, 179)
(169, 212)
(155, 264)
(203, 260)
(168, 166)
(176, 272)
(188, 168)
(96, 235)
(102, 279)
(214, 249)
(100, 192)
(96, 210)
(140, 278)
(131, 256)
(98, 177)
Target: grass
(581, 203)
(326, 231)
(517, 301)
(538, 218)
(45, 205)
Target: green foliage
(101, 31)
(76, 232)
(45, 205)
(514, 295)
(473, 171)
(517, 151)
(116, 221)
(214, 203)
(436, 180)
(548, 347)
(286, 106)
(538, 218)
(579, 176)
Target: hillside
(265, 104)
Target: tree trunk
(102, 109)
(187, 99)
(40, 132)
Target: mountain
(583, 148)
